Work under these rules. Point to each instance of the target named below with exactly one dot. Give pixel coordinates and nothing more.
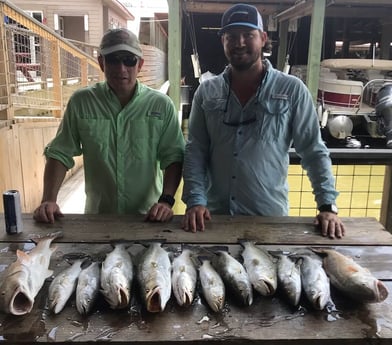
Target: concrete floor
(71, 197)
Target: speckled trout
(63, 286)
(24, 278)
(212, 285)
(184, 278)
(261, 268)
(289, 278)
(117, 277)
(315, 282)
(154, 277)
(88, 287)
(351, 278)
(234, 275)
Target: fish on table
(154, 277)
(212, 285)
(87, 288)
(63, 286)
(184, 278)
(261, 268)
(24, 278)
(315, 282)
(289, 278)
(234, 276)
(352, 279)
(117, 276)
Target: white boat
(348, 95)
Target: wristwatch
(168, 199)
(329, 208)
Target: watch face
(334, 208)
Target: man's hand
(159, 212)
(330, 225)
(47, 212)
(194, 218)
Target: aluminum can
(12, 212)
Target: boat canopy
(383, 65)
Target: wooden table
(267, 321)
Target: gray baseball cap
(120, 39)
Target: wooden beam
(316, 39)
(220, 7)
(174, 55)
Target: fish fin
(22, 256)
(52, 236)
(146, 243)
(49, 273)
(215, 249)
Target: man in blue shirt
(242, 125)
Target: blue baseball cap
(241, 15)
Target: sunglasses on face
(126, 60)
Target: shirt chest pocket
(144, 136)
(273, 124)
(214, 113)
(94, 135)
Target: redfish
(24, 278)
(351, 278)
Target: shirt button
(233, 177)
(233, 198)
(239, 132)
(235, 154)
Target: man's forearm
(172, 178)
(54, 175)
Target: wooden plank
(221, 229)
(269, 320)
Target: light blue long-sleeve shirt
(237, 157)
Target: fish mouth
(123, 298)
(187, 298)
(20, 303)
(320, 301)
(382, 291)
(154, 300)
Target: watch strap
(168, 199)
(328, 208)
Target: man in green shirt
(127, 133)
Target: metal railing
(39, 69)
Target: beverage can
(12, 212)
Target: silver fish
(212, 286)
(63, 286)
(261, 268)
(154, 277)
(184, 278)
(234, 276)
(24, 278)
(351, 278)
(88, 287)
(117, 277)
(315, 282)
(289, 278)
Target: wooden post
(282, 49)
(175, 17)
(316, 39)
(386, 204)
(56, 75)
(6, 108)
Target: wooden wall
(154, 70)
(22, 161)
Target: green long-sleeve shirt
(124, 149)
